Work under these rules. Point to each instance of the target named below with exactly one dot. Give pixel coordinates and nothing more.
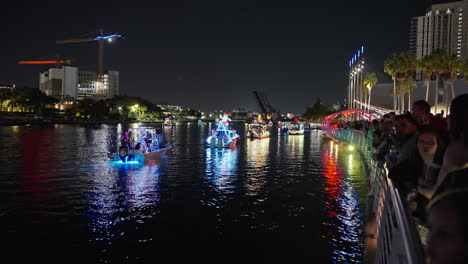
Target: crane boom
(75, 40)
(100, 39)
(45, 62)
(265, 105)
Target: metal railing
(397, 237)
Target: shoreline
(89, 122)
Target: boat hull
(257, 136)
(146, 157)
(296, 132)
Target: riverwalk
(391, 233)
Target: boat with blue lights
(141, 145)
(223, 136)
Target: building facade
(443, 27)
(71, 82)
(10, 87)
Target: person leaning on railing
(456, 155)
(385, 140)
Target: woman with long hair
(456, 155)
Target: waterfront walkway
(391, 234)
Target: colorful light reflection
(342, 208)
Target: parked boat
(140, 145)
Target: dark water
(297, 198)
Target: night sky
(211, 54)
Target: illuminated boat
(296, 129)
(223, 136)
(167, 122)
(259, 130)
(141, 145)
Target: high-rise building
(70, 81)
(444, 28)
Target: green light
(351, 147)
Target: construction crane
(100, 39)
(266, 107)
(58, 62)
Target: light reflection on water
(257, 155)
(221, 169)
(282, 194)
(343, 206)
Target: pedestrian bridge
(391, 234)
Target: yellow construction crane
(100, 39)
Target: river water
(294, 198)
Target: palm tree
(370, 79)
(451, 64)
(408, 85)
(5, 94)
(438, 68)
(400, 76)
(391, 67)
(409, 66)
(399, 88)
(426, 64)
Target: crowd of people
(142, 141)
(427, 161)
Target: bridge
(391, 233)
(373, 108)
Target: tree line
(32, 100)
(438, 65)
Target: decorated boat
(167, 122)
(259, 129)
(223, 136)
(295, 128)
(141, 145)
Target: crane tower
(100, 39)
